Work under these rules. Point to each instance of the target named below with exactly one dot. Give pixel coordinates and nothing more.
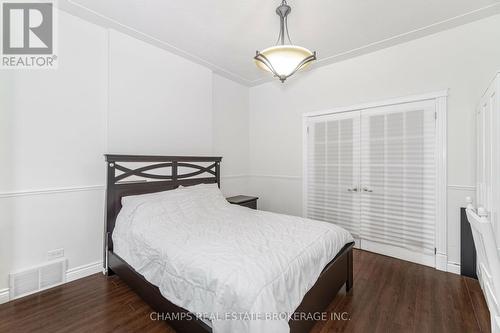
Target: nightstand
(243, 200)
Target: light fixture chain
(283, 11)
(287, 33)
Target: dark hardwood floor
(389, 295)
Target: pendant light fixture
(284, 59)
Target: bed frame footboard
(335, 275)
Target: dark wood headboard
(121, 183)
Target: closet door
(332, 170)
(398, 181)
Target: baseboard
(453, 268)
(441, 262)
(397, 252)
(71, 275)
(4, 295)
(96, 267)
(83, 271)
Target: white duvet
(245, 269)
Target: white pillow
(205, 194)
(131, 202)
(199, 186)
(140, 198)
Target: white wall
(230, 133)
(53, 134)
(462, 60)
(111, 93)
(159, 103)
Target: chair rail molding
(233, 176)
(55, 190)
(289, 177)
(462, 187)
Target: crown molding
(73, 8)
(87, 14)
(450, 23)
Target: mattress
(240, 269)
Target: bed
(208, 266)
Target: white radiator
(37, 278)
(488, 261)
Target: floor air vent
(37, 278)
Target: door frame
(440, 98)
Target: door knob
(366, 189)
(353, 189)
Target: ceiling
(224, 34)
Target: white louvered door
(333, 170)
(398, 181)
(373, 172)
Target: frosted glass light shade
(284, 59)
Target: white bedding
(235, 264)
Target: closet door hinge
(435, 115)
(435, 251)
